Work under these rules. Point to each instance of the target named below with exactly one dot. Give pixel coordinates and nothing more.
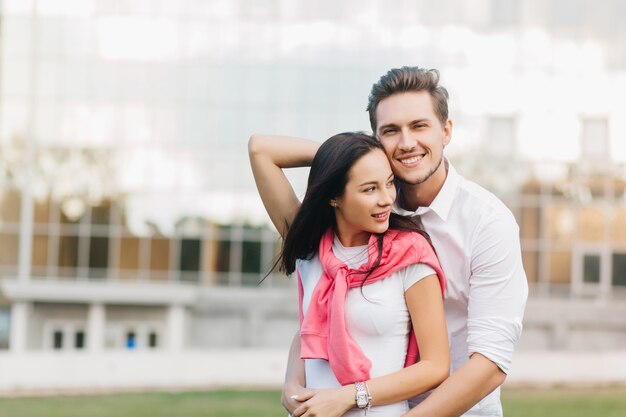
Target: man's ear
(447, 132)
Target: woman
(361, 285)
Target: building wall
(235, 320)
(148, 326)
(572, 234)
(244, 318)
(140, 170)
(46, 318)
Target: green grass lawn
(597, 402)
(180, 404)
(565, 402)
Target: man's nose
(407, 141)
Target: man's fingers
(303, 395)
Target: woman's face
(365, 205)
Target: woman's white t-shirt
(377, 318)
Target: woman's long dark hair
(327, 180)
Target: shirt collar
(442, 203)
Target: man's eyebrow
(421, 120)
(387, 125)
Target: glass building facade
(124, 128)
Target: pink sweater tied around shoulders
(323, 329)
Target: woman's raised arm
(269, 155)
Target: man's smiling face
(413, 137)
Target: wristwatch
(362, 396)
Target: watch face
(361, 399)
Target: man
(476, 238)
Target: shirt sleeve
(498, 290)
(415, 273)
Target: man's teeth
(411, 160)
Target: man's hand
(462, 390)
(293, 396)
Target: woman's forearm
(284, 151)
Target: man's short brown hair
(407, 79)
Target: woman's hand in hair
(269, 155)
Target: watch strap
(362, 395)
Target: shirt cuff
(494, 338)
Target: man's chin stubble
(422, 180)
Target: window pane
(530, 223)
(101, 214)
(68, 254)
(159, 254)
(560, 266)
(57, 342)
(190, 255)
(42, 212)
(591, 268)
(619, 226)
(98, 256)
(5, 320)
(10, 207)
(561, 223)
(131, 340)
(592, 224)
(40, 250)
(79, 340)
(9, 253)
(223, 256)
(152, 340)
(619, 269)
(129, 253)
(251, 257)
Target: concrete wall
(253, 318)
(574, 325)
(222, 317)
(218, 317)
(52, 372)
(240, 338)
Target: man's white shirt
(477, 241)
